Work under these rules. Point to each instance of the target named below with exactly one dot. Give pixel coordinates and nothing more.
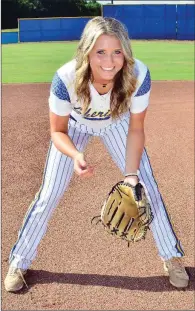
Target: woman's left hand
(132, 180)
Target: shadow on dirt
(150, 284)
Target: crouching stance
(103, 92)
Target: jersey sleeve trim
(59, 89)
(145, 86)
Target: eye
(117, 52)
(100, 52)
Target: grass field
(37, 62)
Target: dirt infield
(78, 266)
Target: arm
(60, 109)
(60, 138)
(135, 144)
(59, 135)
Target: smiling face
(106, 58)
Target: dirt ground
(79, 266)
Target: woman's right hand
(80, 166)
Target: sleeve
(59, 99)
(140, 100)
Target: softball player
(103, 92)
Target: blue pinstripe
(114, 139)
(33, 233)
(167, 248)
(31, 209)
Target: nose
(109, 61)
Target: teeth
(107, 68)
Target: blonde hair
(124, 81)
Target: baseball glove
(126, 213)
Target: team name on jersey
(90, 114)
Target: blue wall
(9, 37)
(155, 21)
(142, 21)
(185, 22)
(56, 29)
(145, 21)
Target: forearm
(134, 150)
(64, 144)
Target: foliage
(14, 9)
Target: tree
(93, 7)
(14, 9)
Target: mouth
(107, 69)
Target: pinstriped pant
(57, 175)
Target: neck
(103, 83)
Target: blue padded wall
(145, 21)
(185, 22)
(142, 21)
(9, 37)
(56, 29)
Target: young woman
(103, 92)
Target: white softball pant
(57, 175)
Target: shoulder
(63, 80)
(140, 69)
(67, 72)
(142, 74)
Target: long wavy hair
(124, 81)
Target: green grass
(37, 62)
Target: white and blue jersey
(63, 100)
